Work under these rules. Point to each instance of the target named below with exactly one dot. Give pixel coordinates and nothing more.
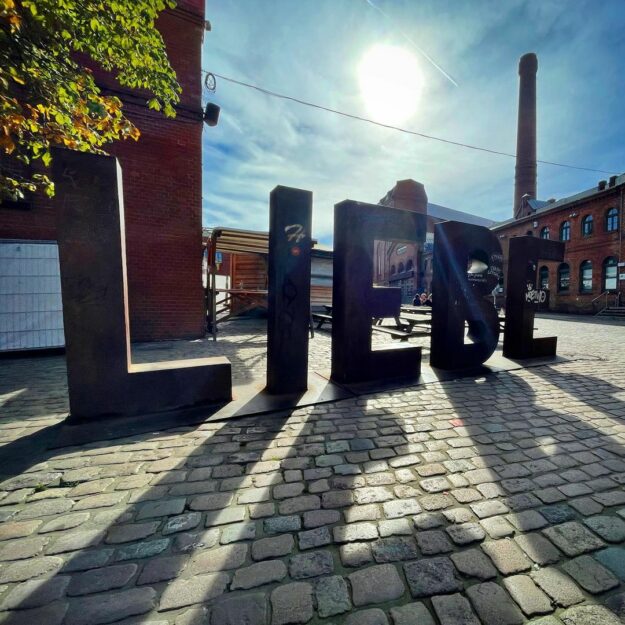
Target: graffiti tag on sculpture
(295, 232)
(535, 296)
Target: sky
(313, 50)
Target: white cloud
(311, 50)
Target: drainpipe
(620, 247)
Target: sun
(390, 83)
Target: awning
(239, 241)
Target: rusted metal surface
(290, 222)
(467, 267)
(102, 380)
(355, 301)
(524, 295)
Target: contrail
(413, 43)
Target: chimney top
(528, 64)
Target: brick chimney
(525, 171)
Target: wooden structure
(247, 276)
(244, 257)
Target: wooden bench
(402, 335)
(321, 318)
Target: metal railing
(596, 304)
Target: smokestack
(525, 173)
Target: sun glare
(391, 83)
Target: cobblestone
(292, 603)
(311, 564)
(573, 538)
(454, 610)
(241, 610)
(259, 574)
(201, 588)
(589, 615)
(332, 596)
(376, 584)
(111, 607)
(559, 586)
(493, 605)
(385, 480)
(413, 614)
(474, 563)
(530, 598)
(506, 556)
(590, 575)
(432, 576)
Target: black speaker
(211, 114)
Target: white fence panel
(31, 309)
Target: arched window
(400, 269)
(530, 233)
(409, 265)
(544, 233)
(565, 231)
(611, 220)
(610, 269)
(585, 277)
(543, 277)
(587, 226)
(393, 270)
(564, 278)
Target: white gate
(31, 309)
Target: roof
(239, 241)
(450, 214)
(540, 207)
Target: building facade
(590, 224)
(162, 180)
(408, 265)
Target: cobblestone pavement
(497, 500)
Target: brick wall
(162, 178)
(594, 248)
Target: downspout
(620, 248)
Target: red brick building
(408, 265)
(591, 226)
(162, 178)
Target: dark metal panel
(467, 267)
(523, 296)
(290, 222)
(101, 379)
(355, 301)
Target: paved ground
(494, 501)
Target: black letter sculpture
(289, 290)
(355, 301)
(522, 297)
(101, 379)
(467, 267)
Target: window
(544, 233)
(543, 277)
(530, 233)
(409, 265)
(393, 270)
(400, 269)
(587, 226)
(610, 268)
(585, 277)
(611, 220)
(564, 278)
(565, 231)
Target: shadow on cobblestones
(494, 500)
